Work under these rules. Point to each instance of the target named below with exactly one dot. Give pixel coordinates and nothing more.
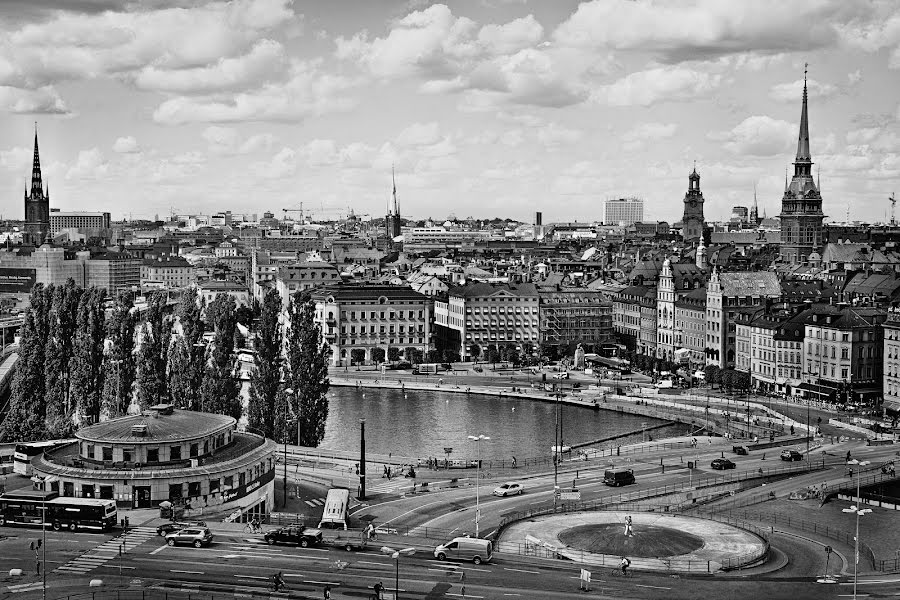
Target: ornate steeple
(803, 141)
(37, 187)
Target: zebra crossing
(107, 551)
(391, 485)
(315, 502)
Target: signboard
(16, 280)
(575, 495)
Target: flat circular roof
(180, 425)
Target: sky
(484, 108)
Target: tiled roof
(180, 425)
(345, 292)
(488, 289)
(750, 283)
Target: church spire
(37, 187)
(395, 208)
(803, 141)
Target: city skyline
(487, 108)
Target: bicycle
(250, 528)
(617, 571)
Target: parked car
(192, 536)
(563, 375)
(510, 488)
(617, 477)
(300, 535)
(791, 455)
(742, 450)
(167, 528)
(720, 464)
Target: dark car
(302, 536)
(618, 477)
(791, 455)
(167, 528)
(742, 450)
(720, 464)
(192, 536)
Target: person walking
(379, 588)
(326, 593)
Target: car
(295, 534)
(510, 488)
(167, 528)
(721, 464)
(791, 455)
(563, 375)
(742, 450)
(192, 536)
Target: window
(193, 489)
(153, 455)
(87, 490)
(195, 450)
(213, 485)
(127, 454)
(89, 453)
(107, 453)
(175, 453)
(229, 481)
(175, 491)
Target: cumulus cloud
(283, 164)
(420, 134)
(678, 31)
(90, 164)
(43, 100)
(227, 140)
(553, 134)
(643, 88)
(875, 31)
(758, 136)
(511, 37)
(793, 92)
(583, 177)
(16, 159)
(638, 135)
(126, 145)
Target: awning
(780, 380)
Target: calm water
(423, 423)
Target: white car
(509, 489)
(563, 375)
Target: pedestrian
(792, 430)
(848, 456)
(326, 593)
(514, 462)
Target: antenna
(848, 213)
(893, 202)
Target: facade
(115, 272)
(892, 361)
(362, 318)
(801, 205)
(88, 224)
(675, 282)
(37, 204)
(626, 211)
(571, 316)
(692, 221)
(690, 326)
(423, 239)
(483, 314)
(726, 294)
(192, 459)
(46, 265)
(208, 290)
(627, 314)
(304, 276)
(167, 272)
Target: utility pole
(362, 459)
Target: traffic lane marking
(525, 571)
(160, 549)
(187, 572)
(655, 587)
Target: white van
(466, 548)
(337, 504)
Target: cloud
(875, 31)
(43, 100)
(320, 153)
(281, 165)
(90, 164)
(420, 134)
(227, 141)
(307, 93)
(126, 145)
(638, 135)
(583, 178)
(553, 135)
(677, 31)
(793, 92)
(644, 88)
(16, 159)
(511, 37)
(758, 136)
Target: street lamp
(396, 554)
(859, 511)
(557, 449)
(477, 439)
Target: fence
(162, 594)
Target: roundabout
(653, 541)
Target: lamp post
(557, 449)
(859, 511)
(477, 439)
(396, 554)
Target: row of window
(170, 453)
(390, 329)
(383, 314)
(503, 323)
(399, 340)
(510, 336)
(494, 309)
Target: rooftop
(179, 425)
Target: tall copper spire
(37, 187)
(803, 142)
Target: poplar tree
(186, 361)
(118, 359)
(25, 419)
(58, 419)
(87, 358)
(307, 367)
(265, 379)
(221, 389)
(153, 352)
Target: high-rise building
(37, 204)
(801, 205)
(626, 211)
(392, 219)
(692, 222)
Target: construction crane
(298, 210)
(893, 201)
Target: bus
(337, 505)
(37, 508)
(26, 451)
(427, 369)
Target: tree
(87, 373)
(475, 351)
(118, 361)
(492, 355)
(265, 379)
(378, 355)
(58, 417)
(220, 390)
(357, 356)
(25, 419)
(307, 367)
(712, 374)
(153, 352)
(188, 355)
(414, 355)
(393, 353)
(432, 356)
(727, 380)
(450, 356)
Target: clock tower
(692, 222)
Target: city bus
(26, 451)
(427, 369)
(337, 505)
(38, 508)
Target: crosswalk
(315, 502)
(107, 551)
(391, 485)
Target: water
(423, 423)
